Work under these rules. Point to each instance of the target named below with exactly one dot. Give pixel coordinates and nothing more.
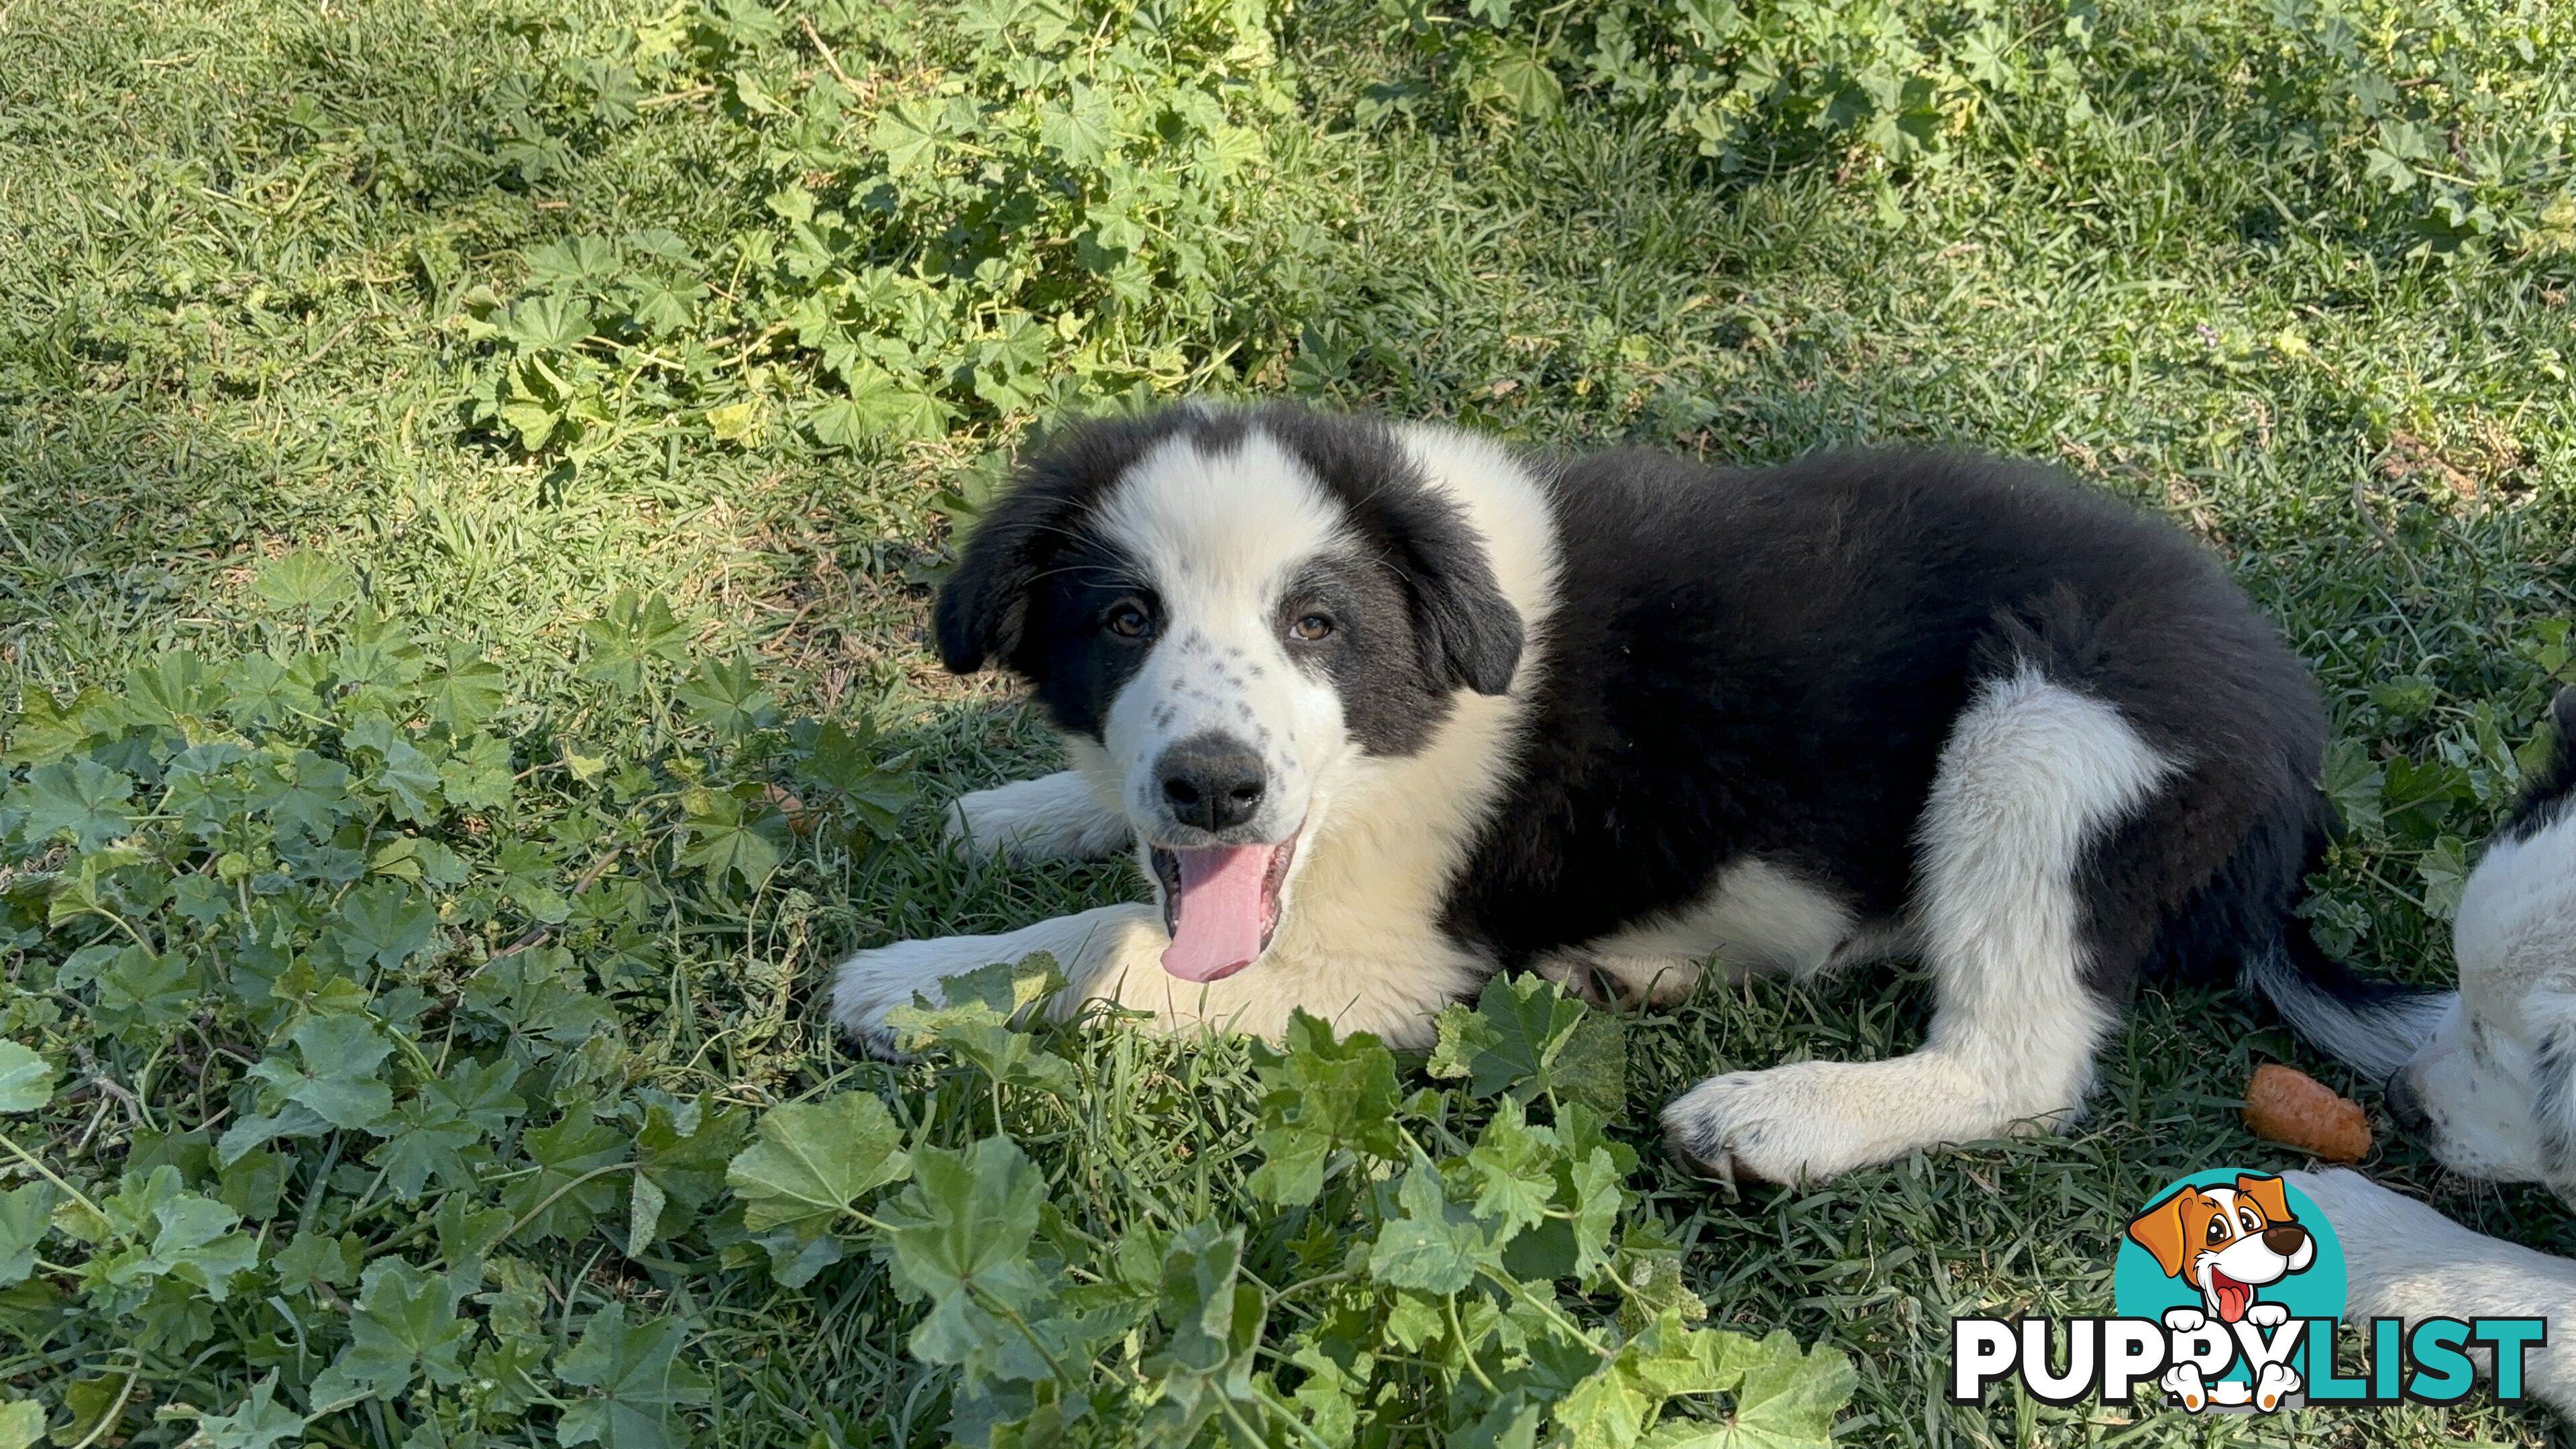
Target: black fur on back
(1769, 662)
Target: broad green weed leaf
(2445, 869)
(26, 1215)
(43, 730)
(478, 776)
(976, 1020)
(405, 1329)
(337, 1078)
(305, 582)
(383, 925)
(466, 692)
(258, 1422)
(728, 837)
(726, 695)
(1215, 1321)
(635, 632)
(1078, 129)
(681, 1157)
(1520, 1026)
(907, 134)
(1434, 1246)
(22, 1423)
(812, 1162)
(1324, 1096)
(547, 322)
(26, 1079)
(80, 798)
(576, 1183)
(959, 1238)
(640, 1378)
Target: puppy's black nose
(2284, 1238)
(1212, 782)
(2404, 1107)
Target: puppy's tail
(2373, 1027)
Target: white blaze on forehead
(1220, 531)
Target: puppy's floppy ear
(1471, 634)
(2160, 1231)
(1475, 630)
(2270, 1194)
(983, 607)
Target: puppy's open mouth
(1221, 905)
(2233, 1297)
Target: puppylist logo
(2229, 1294)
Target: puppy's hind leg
(1053, 817)
(2032, 775)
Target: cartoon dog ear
(2270, 1194)
(983, 608)
(2160, 1231)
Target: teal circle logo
(2223, 1241)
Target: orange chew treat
(2289, 1106)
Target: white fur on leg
(2033, 772)
(2404, 1260)
(1053, 817)
(1086, 946)
(1115, 953)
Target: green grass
(241, 242)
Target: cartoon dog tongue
(1217, 923)
(2233, 1297)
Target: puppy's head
(1222, 610)
(2493, 1093)
(2226, 1241)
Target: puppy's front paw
(1803, 1122)
(2267, 1315)
(1052, 818)
(872, 984)
(2186, 1320)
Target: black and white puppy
(1386, 708)
(2490, 1088)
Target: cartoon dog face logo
(2226, 1241)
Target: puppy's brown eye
(1311, 628)
(2252, 1223)
(1127, 623)
(2218, 1230)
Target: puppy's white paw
(1055, 817)
(2267, 1315)
(1803, 1122)
(2182, 1381)
(2186, 1320)
(2273, 1384)
(873, 983)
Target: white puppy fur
(2404, 1260)
(2493, 1087)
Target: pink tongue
(2233, 1297)
(1218, 926)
